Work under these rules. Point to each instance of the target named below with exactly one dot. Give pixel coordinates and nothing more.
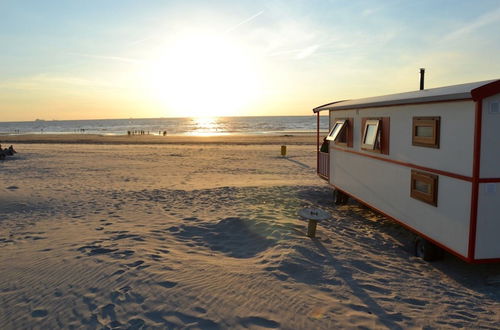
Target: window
(337, 130)
(426, 132)
(375, 134)
(341, 132)
(424, 187)
(371, 135)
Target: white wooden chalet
(428, 159)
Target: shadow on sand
(386, 235)
(346, 275)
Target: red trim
(485, 261)
(405, 225)
(476, 166)
(361, 106)
(418, 167)
(484, 91)
(317, 144)
(323, 176)
(489, 180)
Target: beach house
(427, 159)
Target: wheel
(340, 198)
(426, 250)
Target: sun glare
(199, 74)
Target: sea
(170, 126)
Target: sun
(201, 74)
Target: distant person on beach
(164, 133)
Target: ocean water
(173, 126)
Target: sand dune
(208, 237)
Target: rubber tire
(340, 198)
(426, 250)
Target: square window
(371, 135)
(341, 132)
(337, 131)
(426, 131)
(424, 187)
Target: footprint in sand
(259, 321)
(118, 272)
(39, 313)
(155, 257)
(136, 324)
(135, 263)
(123, 254)
(126, 295)
(200, 310)
(167, 284)
(108, 311)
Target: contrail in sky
(231, 29)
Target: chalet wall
(386, 186)
(490, 142)
(456, 143)
(488, 221)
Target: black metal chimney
(422, 74)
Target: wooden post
(311, 228)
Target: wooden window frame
(343, 124)
(429, 142)
(347, 131)
(381, 145)
(369, 146)
(432, 180)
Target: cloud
(298, 54)
(140, 41)
(110, 58)
(483, 20)
(46, 81)
(306, 52)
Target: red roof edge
(485, 90)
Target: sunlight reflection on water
(208, 126)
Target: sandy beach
(153, 232)
(241, 139)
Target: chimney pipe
(422, 74)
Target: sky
(63, 60)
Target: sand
(241, 139)
(200, 234)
